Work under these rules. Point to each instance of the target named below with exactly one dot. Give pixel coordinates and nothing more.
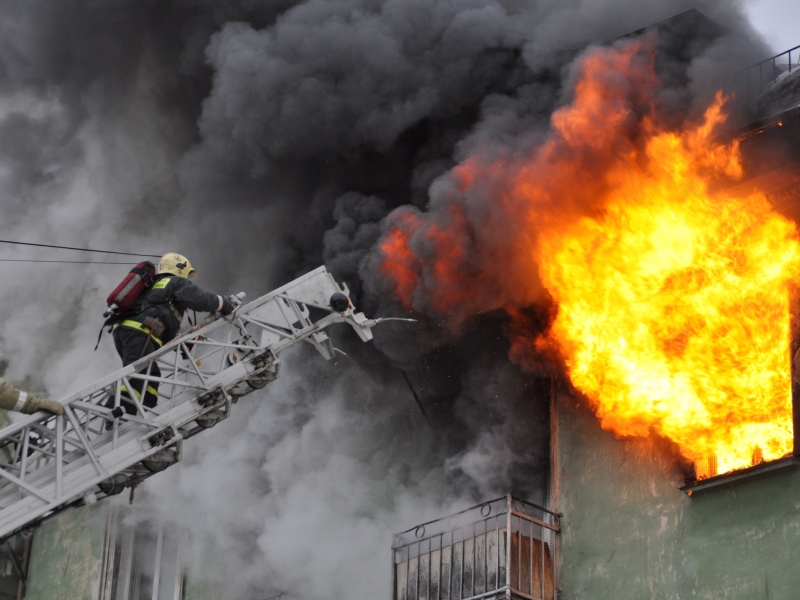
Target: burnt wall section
(629, 533)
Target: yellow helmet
(176, 264)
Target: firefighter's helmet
(177, 265)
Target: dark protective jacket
(167, 300)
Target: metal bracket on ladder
(50, 463)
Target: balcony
(470, 555)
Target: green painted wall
(67, 559)
(203, 590)
(630, 534)
(67, 555)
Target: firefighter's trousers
(131, 346)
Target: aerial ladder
(50, 463)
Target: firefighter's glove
(34, 404)
(227, 306)
(13, 399)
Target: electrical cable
(79, 249)
(75, 262)
(416, 397)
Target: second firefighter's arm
(13, 399)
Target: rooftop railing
(751, 81)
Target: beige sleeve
(10, 396)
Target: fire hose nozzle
(374, 322)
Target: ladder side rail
(86, 477)
(132, 450)
(61, 475)
(81, 438)
(80, 482)
(71, 460)
(114, 377)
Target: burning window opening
(670, 282)
(464, 556)
(777, 177)
(707, 467)
(726, 479)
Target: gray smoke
(264, 139)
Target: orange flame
(673, 307)
(672, 293)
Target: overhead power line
(79, 249)
(74, 262)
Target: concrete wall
(630, 534)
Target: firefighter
(13, 399)
(155, 319)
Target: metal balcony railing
(751, 81)
(470, 555)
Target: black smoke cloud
(263, 139)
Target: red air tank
(128, 291)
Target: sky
(778, 21)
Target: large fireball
(672, 292)
(673, 306)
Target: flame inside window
(673, 305)
(672, 290)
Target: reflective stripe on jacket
(168, 299)
(131, 324)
